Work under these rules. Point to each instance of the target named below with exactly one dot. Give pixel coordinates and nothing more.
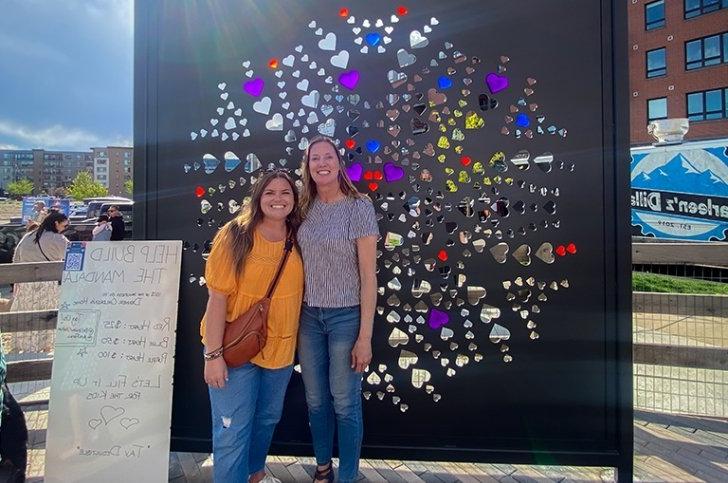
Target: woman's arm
(361, 355)
(216, 369)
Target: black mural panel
(476, 127)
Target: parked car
(94, 205)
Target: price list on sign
(111, 389)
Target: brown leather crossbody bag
(246, 336)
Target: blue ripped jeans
(244, 415)
(326, 337)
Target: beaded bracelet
(211, 356)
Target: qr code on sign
(74, 262)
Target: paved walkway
(667, 448)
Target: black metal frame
(647, 64)
(721, 56)
(662, 22)
(618, 338)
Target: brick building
(678, 66)
(48, 170)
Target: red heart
(373, 186)
(344, 12)
(571, 248)
(199, 191)
(465, 160)
(378, 176)
(560, 250)
(402, 10)
(368, 175)
(350, 143)
(442, 255)
(273, 63)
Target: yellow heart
(462, 103)
(473, 121)
(497, 156)
(451, 122)
(458, 113)
(443, 143)
(451, 186)
(509, 181)
(442, 128)
(486, 181)
(463, 177)
(459, 149)
(449, 171)
(497, 179)
(441, 158)
(478, 168)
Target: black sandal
(325, 475)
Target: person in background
(103, 230)
(44, 244)
(31, 225)
(39, 211)
(117, 223)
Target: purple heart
(355, 171)
(392, 172)
(349, 79)
(437, 319)
(496, 83)
(254, 87)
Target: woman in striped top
(338, 240)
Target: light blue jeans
(244, 415)
(326, 337)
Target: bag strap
(286, 251)
(41, 249)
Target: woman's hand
(361, 354)
(216, 373)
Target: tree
(20, 188)
(83, 186)
(129, 187)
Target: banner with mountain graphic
(681, 192)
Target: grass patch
(650, 282)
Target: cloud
(8, 146)
(57, 137)
(28, 48)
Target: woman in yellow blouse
(247, 401)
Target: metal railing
(680, 345)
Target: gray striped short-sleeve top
(328, 246)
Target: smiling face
(323, 164)
(277, 200)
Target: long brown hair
(237, 234)
(308, 193)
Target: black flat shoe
(326, 475)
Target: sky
(66, 74)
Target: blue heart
(373, 38)
(444, 82)
(522, 120)
(373, 146)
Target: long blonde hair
(237, 234)
(308, 193)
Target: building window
(708, 105)
(656, 63)
(656, 109)
(707, 51)
(655, 15)
(695, 8)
